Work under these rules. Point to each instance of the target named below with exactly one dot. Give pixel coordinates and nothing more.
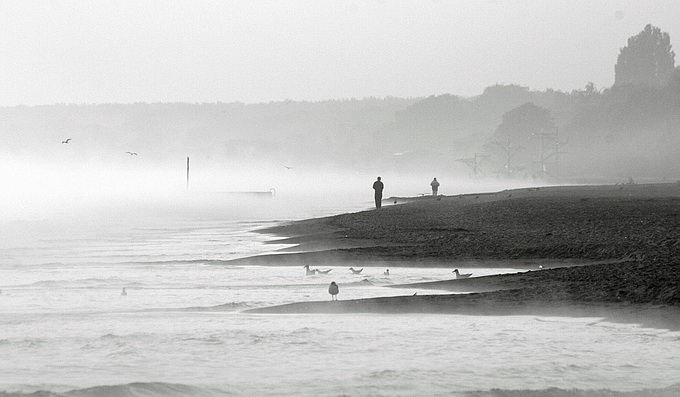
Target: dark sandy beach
(606, 251)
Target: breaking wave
(150, 389)
(671, 391)
(154, 389)
(225, 307)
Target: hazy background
(317, 98)
(259, 51)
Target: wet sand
(621, 242)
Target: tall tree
(648, 59)
(522, 140)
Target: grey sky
(257, 51)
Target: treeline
(287, 132)
(626, 132)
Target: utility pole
(187, 173)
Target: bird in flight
(131, 153)
(288, 167)
(66, 141)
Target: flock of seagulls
(333, 289)
(312, 272)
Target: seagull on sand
(356, 271)
(66, 141)
(308, 271)
(458, 275)
(322, 271)
(333, 290)
(123, 292)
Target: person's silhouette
(435, 186)
(378, 186)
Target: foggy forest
(623, 133)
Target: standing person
(435, 186)
(333, 290)
(378, 187)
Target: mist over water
(39, 189)
(102, 194)
(74, 235)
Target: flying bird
(288, 167)
(131, 153)
(355, 271)
(66, 141)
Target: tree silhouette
(521, 123)
(648, 59)
(518, 139)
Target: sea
(140, 299)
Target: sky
(82, 51)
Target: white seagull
(308, 271)
(458, 275)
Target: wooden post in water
(187, 173)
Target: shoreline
(620, 244)
(486, 304)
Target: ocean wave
(150, 389)
(23, 343)
(365, 281)
(154, 389)
(81, 283)
(671, 391)
(193, 261)
(224, 307)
